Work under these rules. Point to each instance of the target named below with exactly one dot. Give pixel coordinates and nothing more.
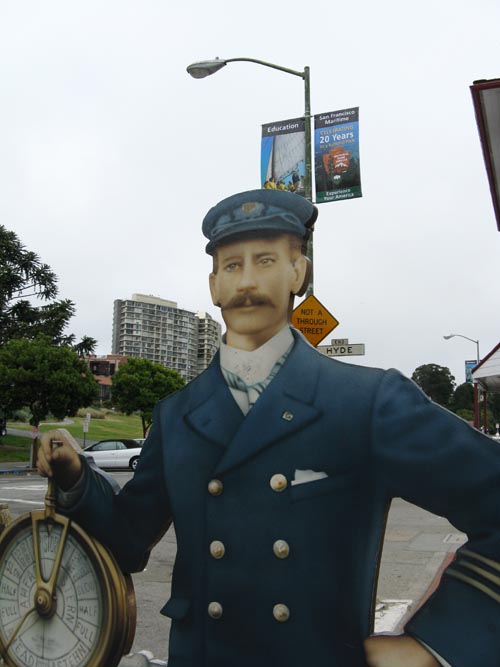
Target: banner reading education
(283, 156)
(336, 155)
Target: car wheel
(133, 462)
(3, 431)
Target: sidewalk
(418, 546)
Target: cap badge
(248, 207)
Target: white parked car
(123, 453)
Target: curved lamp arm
(472, 340)
(200, 70)
(203, 68)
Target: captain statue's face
(252, 284)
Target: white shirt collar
(256, 365)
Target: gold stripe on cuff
(487, 561)
(474, 583)
(479, 570)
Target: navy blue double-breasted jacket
(212, 472)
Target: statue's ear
(307, 275)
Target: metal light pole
(200, 70)
(478, 358)
(205, 68)
(476, 389)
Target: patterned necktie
(253, 391)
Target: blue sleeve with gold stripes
(428, 456)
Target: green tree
(436, 381)
(48, 379)
(139, 384)
(462, 402)
(86, 346)
(463, 397)
(24, 278)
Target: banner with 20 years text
(336, 155)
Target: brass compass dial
(63, 600)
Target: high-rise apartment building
(209, 333)
(152, 328)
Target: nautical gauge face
(64, 631)
(63, 600)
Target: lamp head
(205, 68)
(449, 336)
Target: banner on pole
(283, 156)
(469, 365)
(336, 155)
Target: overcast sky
(110, 155)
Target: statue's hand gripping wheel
(63, 600)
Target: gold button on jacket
(215, 487)
(281, 612)
(215, 610)
(278, 482)
(281, 549)
(217, 549)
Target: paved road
(415, 547)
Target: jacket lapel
(215, 416)
(285, 407)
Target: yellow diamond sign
(313, 320)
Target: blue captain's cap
(258, 210)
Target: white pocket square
(304, 476)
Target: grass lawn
(14, 448)
(113, 426)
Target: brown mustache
(242, 300)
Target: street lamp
(476, 389)
(205, 68)
(478, 358)
(200, 70)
